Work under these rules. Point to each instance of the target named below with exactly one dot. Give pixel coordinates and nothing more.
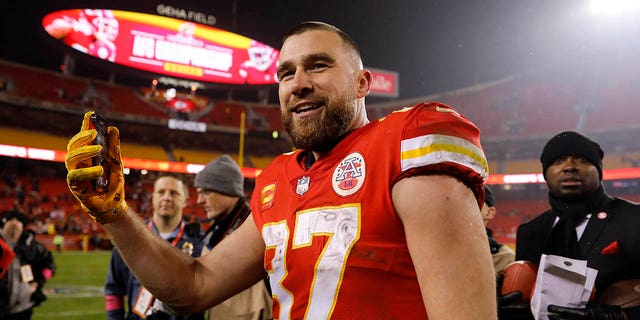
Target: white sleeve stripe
(436, 148)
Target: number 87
(342, 226)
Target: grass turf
(76, 290)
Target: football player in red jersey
(92, 31)
(262, 64)
(365, 220)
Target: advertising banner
(165, 45)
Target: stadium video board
(165, 45)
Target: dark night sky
(434, 45)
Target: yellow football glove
(102, 207)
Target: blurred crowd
(39, 191)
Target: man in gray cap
(584, 223)
(220, 187)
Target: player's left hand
(107, 207)
(591, 312)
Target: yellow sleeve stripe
(437, 148)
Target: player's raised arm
(180, 281)
(448, 246)
(186, 284)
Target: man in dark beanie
(220, 187)
(584, 223)
(571, 143)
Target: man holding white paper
(584, 223)
(563, 282)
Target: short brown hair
(185, 186)
(317, 25)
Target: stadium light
(144, 165)
(613, 7)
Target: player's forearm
(159, 267)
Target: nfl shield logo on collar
(303, 185)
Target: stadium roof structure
(435, 46)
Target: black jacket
(29, 251)
(610, 243)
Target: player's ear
(364, 80)
(491, 213)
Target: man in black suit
(584, 223)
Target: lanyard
(178, 236)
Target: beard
(323, 131)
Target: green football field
(76, 290)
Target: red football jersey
(6, 257)
(336, 248)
